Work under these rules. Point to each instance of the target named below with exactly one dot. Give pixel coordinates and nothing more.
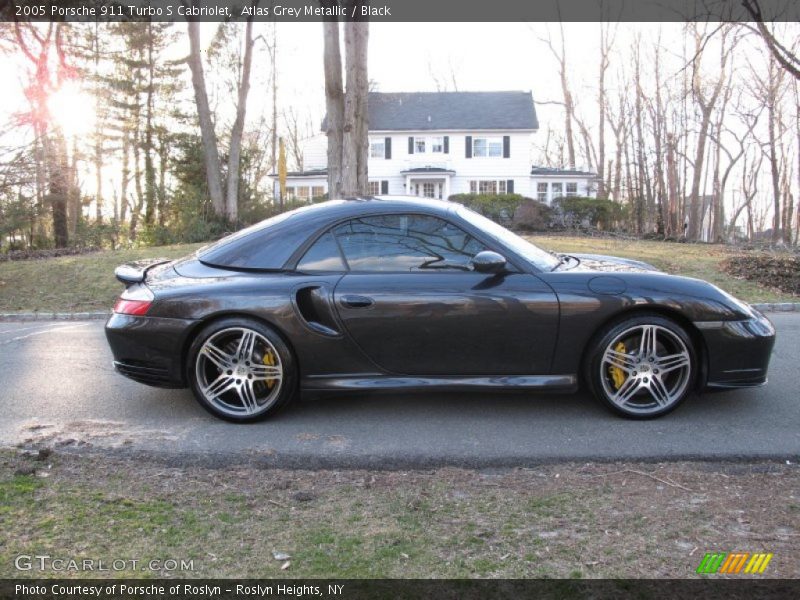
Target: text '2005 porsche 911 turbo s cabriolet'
(391, 293)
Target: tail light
(135, 300)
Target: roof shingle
(425, 111)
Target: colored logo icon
(734, 562)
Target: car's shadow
(462, 407)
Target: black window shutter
(410, 145)
(506, 146)
(387, 148)
(509, 186)
(469, 146)
(447, 144)
(384, 187)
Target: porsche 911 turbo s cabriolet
(392, 293)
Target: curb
(54, 316)
(777, 306)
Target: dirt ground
(568, 521)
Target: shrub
(578, 212)
(532, 215)
(498, 207)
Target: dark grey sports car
(409, 294)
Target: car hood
(615, 264)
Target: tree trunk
(58, 192)
(210, 151)
(126, 176)
(273, 59)
(234, 153)
(354, 139)
(334, 102)
(149, 168)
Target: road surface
(58, 388)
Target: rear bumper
(149, 349)
(738, 352)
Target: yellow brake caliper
(269, 360)
(617, 374)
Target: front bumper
(738, 351)
(149, 350)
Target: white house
(435, 144)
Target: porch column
(408, 185)
(446, 187)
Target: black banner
(425, 589)
(293, 11)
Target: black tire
(650, 374)
(256, 360)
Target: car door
(412, 302)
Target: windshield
(540, 258)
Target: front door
(412, 303)
(428, 188)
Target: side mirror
(488, 262)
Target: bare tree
(210, 150)
(706, 98)
(347, 119)
(228, 205)
(235, 150)
(560, 54)
(334, 102)
(786, 57)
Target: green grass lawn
(692, 260)
(72, 283)
(565, 521)
(86, 283)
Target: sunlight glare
(72, 109)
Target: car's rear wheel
(241, 370)
(642, 367)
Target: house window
(377, 148)
(419, 145)
(429, 190)
(541, 192)
(572, 190)
(487, 146)
(290, 193)
(437, 145)
(302, 192)
(317, 191)
(556, 190)
(374, 188)
(487, 186)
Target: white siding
(315, 152)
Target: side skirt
(370, 382)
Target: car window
(324, 255)
(540, 258)
(406, 243)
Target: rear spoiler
(135, 272)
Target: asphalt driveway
(57, 387)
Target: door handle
(352, 301)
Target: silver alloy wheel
(655, 369)
(239, 372)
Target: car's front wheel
(642, 367)
(241, 370)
